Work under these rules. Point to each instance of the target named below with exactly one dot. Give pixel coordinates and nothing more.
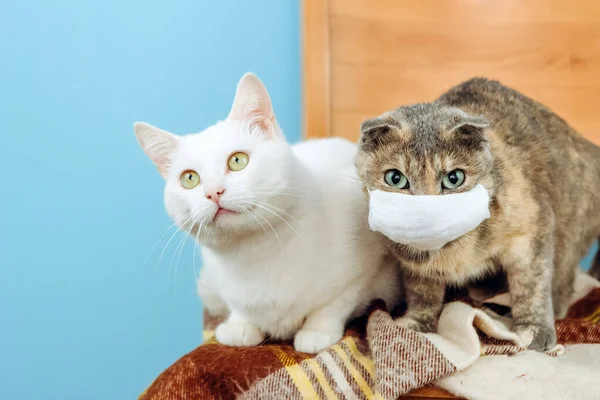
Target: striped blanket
(375, 359)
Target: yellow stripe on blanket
(365, 361)
(297, 374)
(594, 318)
(316, 369)
(364, 386)
(208, 336)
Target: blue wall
(81, 204)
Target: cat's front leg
(237, 331)
(424, 299)
(211, 299)
(324, 326)
(529, 272)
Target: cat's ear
(253, 104)
(374, 133)
(158, 145)
(469, 131)
(469, 125)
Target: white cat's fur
(297, 258)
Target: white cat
(285, 239)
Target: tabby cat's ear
(374, 133)
(158, 145)
(252, 104)
(469, 125)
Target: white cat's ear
(253, 104)
(158, 145)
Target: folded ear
(158, 145)
(374, 133)
(253, 104)
(469, 125)
(468, 131)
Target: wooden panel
(316, 94)
(359, 40)
(484, 11)
(369, 90)
(385, 53)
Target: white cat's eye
(453, 179)
(238, 161)
(190, 179)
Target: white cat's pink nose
(214, 194)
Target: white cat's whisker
(289, 197)
(247, 211)
(276, 188)
(154, 247)
(180, 245)
(271, 226)
(297, 195)
(194, 249)
(275, 208)
(288, 181)
(274, 232)
(197, 244)
(167, 245)
(184, 242)
(285, 221)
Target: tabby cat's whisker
(345, 176)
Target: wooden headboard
(363, 57)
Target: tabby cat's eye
(238, 161)
(453, 179)
(396, 179)
(190, 179)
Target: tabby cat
(543, 180)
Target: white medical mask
(427, 222)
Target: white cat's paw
(311, 341)
(239, 334)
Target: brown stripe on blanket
(585, 307)
(576, 331)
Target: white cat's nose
(214, 194)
